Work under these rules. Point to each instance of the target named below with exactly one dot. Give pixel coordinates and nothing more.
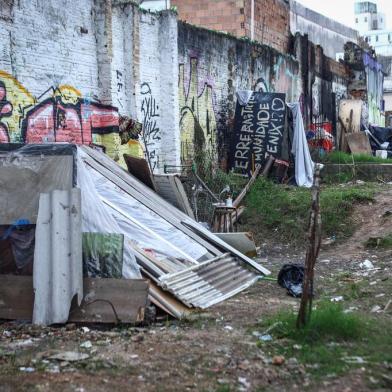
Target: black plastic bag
(291, 277)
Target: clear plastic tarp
(145, 228)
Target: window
(365, 19)
(367, 39)
(356, 20)
(389, 37)
(376, 38)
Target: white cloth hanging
(304, 166)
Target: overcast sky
(343, 10)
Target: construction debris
(146, 235)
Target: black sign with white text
(259, 127)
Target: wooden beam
(105, 300)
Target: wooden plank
(139, 168)
(169, 186)
(358, 143)
(16, 297)
(111, 301)
(183, 198)
(105, 300)
(167, 302)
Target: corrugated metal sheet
(58, 271)
(210, 282)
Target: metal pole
(252, 20)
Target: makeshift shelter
(128, 230)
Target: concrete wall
(69, 71)
(213, 67)
(328, 33)
(73, 72)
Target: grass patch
(328, 322)
(340, 157)
(379, 242)
(282, 212)
(331, 341)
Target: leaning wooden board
(105, 300)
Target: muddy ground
(216, 350)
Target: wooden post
(314, 238)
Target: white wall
(42, 45)
(105, 53)
(155, 5)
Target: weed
(380, 242)
(338, 178)
(282, 212)
(330, 339)
(328, 321)
(340, 157)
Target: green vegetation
(328, 322)
(332, 343)
(340, 157)
(281, 212)
(380, 242)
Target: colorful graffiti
(61, 114)
(198, 125)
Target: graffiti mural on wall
(60, 114)
(151, 130)
(198, 125)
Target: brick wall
(220, 15)
(271, 25)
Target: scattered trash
(228, 328)
(291, 277)
(86, 344)
(337, 299)
(243, 381)
(367, 264)
(266, 338)
(27, 369)
(350, 309)
(354, 359)
(376, 309)
(69, 356)
(329, 241)
(379, 295)
(85, 329)
(297, 347)
(388, 305)
(278, 360)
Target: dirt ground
(215, 350)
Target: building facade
(371, 24)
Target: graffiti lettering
(151, 130)
(259, 128)
(119, 81)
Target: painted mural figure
(62, 116)
(5, 111)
